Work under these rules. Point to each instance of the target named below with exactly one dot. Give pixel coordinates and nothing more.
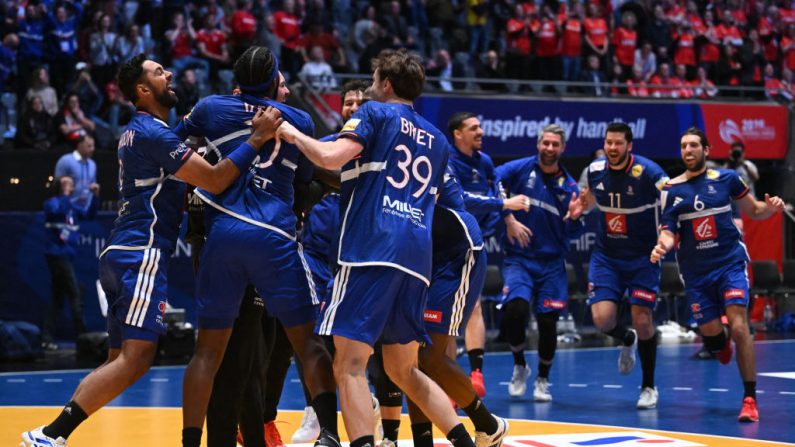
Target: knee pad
(547, 335)
(516, 314)
(715, 343)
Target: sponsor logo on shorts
(704, 228)
(554, 304)
(644, 295)
(733, 293)
(162, 307)
(433, 316)
(616, 223)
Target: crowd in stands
(58, 58)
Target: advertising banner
(761, 128)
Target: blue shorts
(609, 278)
(136, 287)
(321, 275)
(708, 294)
(237, 254)
(544, 281)
(455, 288)
(375, 302)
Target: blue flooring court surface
(696, 396)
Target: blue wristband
(243, 156)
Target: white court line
(719, 390)
(613, 386)
(578, 385)
(682, 388)
(53, 380)
(788, 393)
(16, 380)
(158, 379)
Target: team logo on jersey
(432, 316)
(677, 201)
(704, 228)
(733, 293)
(644, 295)
(712, 174)
(711, 189)
(531, 180)
(630, 192)
(475, 176)
(350, 124)
(637, 170)
(616, 223)
(600, 186)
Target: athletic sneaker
(725, 354)
(37, 438)
(495, 439)
(272, 436)
(386, 443)
(749, 412)
(476, 377)
(378, 431)
(518, 385)
(327, 439)
(309, 429)
(626, 361)
(541, 390)
(648, 398)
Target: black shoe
(327, 439)
(703, 354)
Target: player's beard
(167, 98)
(548, 160)
(620, 161)
(698, 164)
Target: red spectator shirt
(182, 46)
(706, 90)
(787, 16)
(244, 26)
(519, 36)
(697, 24)
(671, 91)
(767, 33)
(572, 38)
(325, 40)
(287, 29)
(213, 40)
(638, 88)
(685, 50)
(596, 30)
(788, 48)
(739, 17)
(625, 41)
(730, 32)
(710, 52)
(547, 39)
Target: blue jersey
(549, 204)
(321, 228)
(60, 220)
(629, 205)
(151, 198)
(454, 230)
(388, 190)
(482, 191)
(699, 211)
(264, 195)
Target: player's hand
(517, 203)
(576, 206)
(775, 202)
(657, 253)
(518, 233)
(287, 132)
(264, 126)
(94, 188)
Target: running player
(626, 189)
(153, 165)
(534, 267)
(712, 256)
(251, 239)
(392, 163)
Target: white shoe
(541, 390)
(386, 443)
(518, 385)
(648, 398)
(495, 439)
(37, 438)
(378, 432)
(309, 429)
(626, 361)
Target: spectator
(788, 48)
(572, 43)
(266, 36)
(118, 110)
(181, 37)
(81, 168)
(769, 31)
(60, 220)
(518, 34)
(395, 24)
(659, 30)
(477, 14)
(128, 44)
(8, 97)
(752, 58)
(103, 64)
(288, 29)
(746, 169)
(625, 41)
(680, 78)
(364, 25)
(212, 47)
(187, 91)
(728, 31)
(40, 86)
(703, 88)
(775, 90)
(491, 68)
(62, 41)
(243, 28)
(36, 130)
(636, 85)
(547, 37)
(31, 46)
(596, 33)
(86, 90)
(729, 68)
(442, 67)
(645, 61)
(317, 72)
(685, 49)
(663, 84)
(332, 51)
(595, 77)
(709, 51)
(71, 122)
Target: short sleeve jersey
(629, 204)
(264, 195)
(699, 211)
(454, 229)
(389, 189)
(151, 197)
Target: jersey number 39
(415, 164)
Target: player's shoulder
(675, 182)
(297, 117)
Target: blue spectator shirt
(83, 171)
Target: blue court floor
(696, 396)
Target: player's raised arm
(758, 209)
(330, 155)
(216, 178)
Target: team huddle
(396, 262)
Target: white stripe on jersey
(231, 136)
(241, 217)
(308, 273)
(138, 284)
(545, 206)
(289, 164)
(148, 291)
(704, 213)
(354, 172)
(459, 303)
(338, 293)
(140, 183)
(636, 210)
